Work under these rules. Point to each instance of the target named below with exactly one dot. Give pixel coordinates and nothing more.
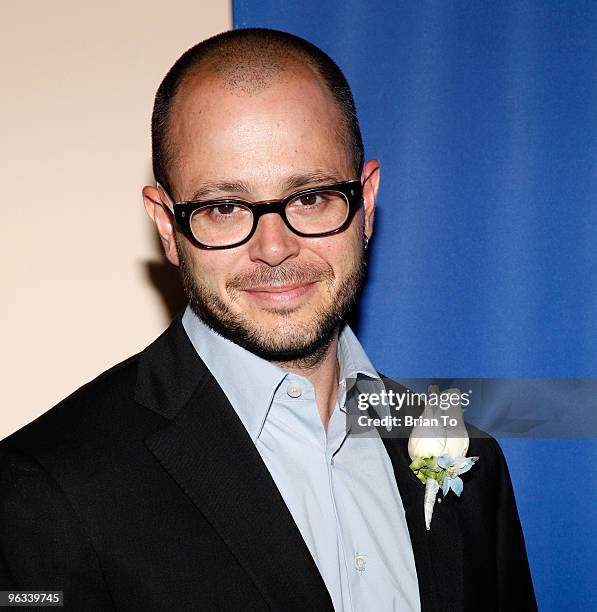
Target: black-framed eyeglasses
(229, 222)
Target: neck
(323, 374)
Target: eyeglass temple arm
(166, 199)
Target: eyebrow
(294, 182)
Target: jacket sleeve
(43, 545)
(514, 582)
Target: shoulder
(75, 410)
(91, 422)
(105, 422)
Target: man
(214, 469)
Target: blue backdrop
(483, 262)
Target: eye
(225, 210)
(309, 200)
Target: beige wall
(81, 266)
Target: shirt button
(359, 562)
(294, 390)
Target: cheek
(340, 250)
(211, 269)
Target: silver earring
(366, 242)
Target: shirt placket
(335, 439)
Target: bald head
(244, 66)
(246, 62)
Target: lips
(278, 288)
(280, 293)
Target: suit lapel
(207, 450)
(438, 552)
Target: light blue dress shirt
(340, 489)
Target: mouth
(280, 294)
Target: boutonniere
(437, 447)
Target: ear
(370, 180)
(162, 217)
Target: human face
(279, 295)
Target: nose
(272, 243)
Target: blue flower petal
(446, 485)
(444, 461)
(464, 467)
(459, 462)
(457, 485)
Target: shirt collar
(352, 357)
(356, 369)
(250, 382)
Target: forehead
(287, 123)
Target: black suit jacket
(143, 491)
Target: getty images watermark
(503, 408)
(394, 413)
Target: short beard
(304, 345)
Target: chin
(280, 326)
(278, 335)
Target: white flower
(430, 437)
